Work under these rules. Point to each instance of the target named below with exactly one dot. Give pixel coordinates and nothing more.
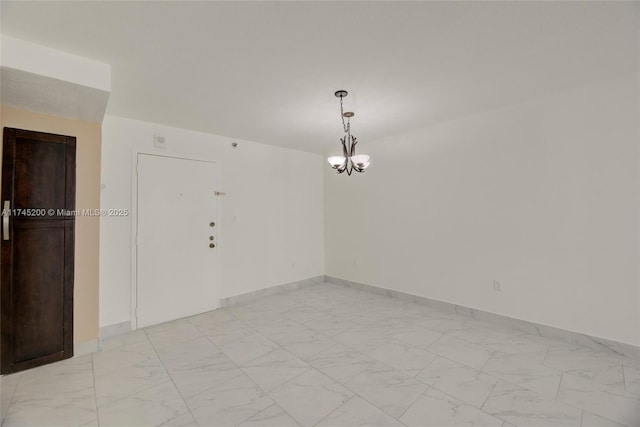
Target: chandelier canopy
(349, 161)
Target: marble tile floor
(327, 355)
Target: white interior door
(176, 263)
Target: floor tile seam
(456, 362)
(13, 393)
(474, 344)
(562, 402)
(247, 326)
(471, 318)
(257, 357)
(469, 404)
(305, 324)
(305, 359)
(624, 381)
(489, 394)
(555, 370)
(520, 357)
(134, 366)
(559, 385)
(241, 320)
(281, 408)
(217, 346)
(221, 383)
(105, 351)
(335, 409)
(291, 379)
(301, 303)
(551, 399)
(368, 354)
(184, 401)
(355, 393)
(285, 336)
(255, 331)
(207, 334)
(111, 402)
(156, 347)
(95, 391)
(405, 372)
(485, 363)
(322, 337)
(429, 387)
(344, 382)
(307, 369)
(280, 347)
(586, 411)
(434, 385)
(264, 393)
(240, 373)
(148, 329)
(523, 388)
(613, 389)
(429, 364)
(336, 343)
(590, 411)
(183, 343)
(360, 397)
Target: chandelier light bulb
(360, 160)
(336, 161)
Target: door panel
(38, 173)
(37, 336)
(39, 188)
(175, 264)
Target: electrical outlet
(497, 285)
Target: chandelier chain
(347, 126)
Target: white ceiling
(266, 71)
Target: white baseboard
(85, 347)
(113, 330)
(250, 296)
(622, 349)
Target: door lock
(212, 245)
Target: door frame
(134, 225)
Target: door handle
(6, 211)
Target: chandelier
(349, 161)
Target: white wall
(543, 196)
(271, 219)
(37, 59)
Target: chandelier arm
(345, 152)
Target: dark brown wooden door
(38, 200)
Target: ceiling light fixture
(349, 161)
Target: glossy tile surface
(330, 356)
